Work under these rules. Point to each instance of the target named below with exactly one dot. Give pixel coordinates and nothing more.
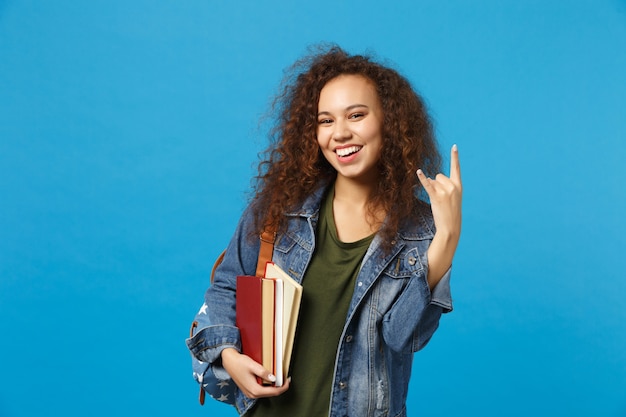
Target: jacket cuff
(209, 342)
(441, 295)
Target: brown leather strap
(201, 395)
(265, 253)
(218, 261)
(193, 327)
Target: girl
(344, 185)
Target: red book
(255, 318)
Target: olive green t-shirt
(328, 284)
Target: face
(349, 127)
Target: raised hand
(445, 195)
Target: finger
(455, 165)
(263, 373)
(284, 387)
(442, 184)
(261, 391)
(426, 182)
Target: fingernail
(454, 147)
(419, 172)
(271, 378)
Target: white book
(278, 332)
(292, 295)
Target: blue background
(129, 133)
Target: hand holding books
(266, 314)
(244, 371)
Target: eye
(357, 115)
(324, 121)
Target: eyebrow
(351, 107)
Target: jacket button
(412, 260)
(342, 385)
(349, 339)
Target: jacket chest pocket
(405, 265)
(396, 276)
(292, 253)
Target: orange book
(267, 324)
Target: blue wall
(128, 136)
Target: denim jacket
(392, 314)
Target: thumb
(263, 373)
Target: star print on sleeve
(223, 397)
(222, 384)
(203, 309)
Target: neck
(353, 192)
(354, 218)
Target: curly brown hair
(293, 166)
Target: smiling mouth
(343, 152)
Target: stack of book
(267, 314)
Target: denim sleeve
(415, 315)
(215, 328)
(440, 302)
(206, 346)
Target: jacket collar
(419, 227)
(312, 203)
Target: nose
(341, 131)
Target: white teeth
(349, 150)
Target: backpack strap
(218, 261)
(265, 252)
